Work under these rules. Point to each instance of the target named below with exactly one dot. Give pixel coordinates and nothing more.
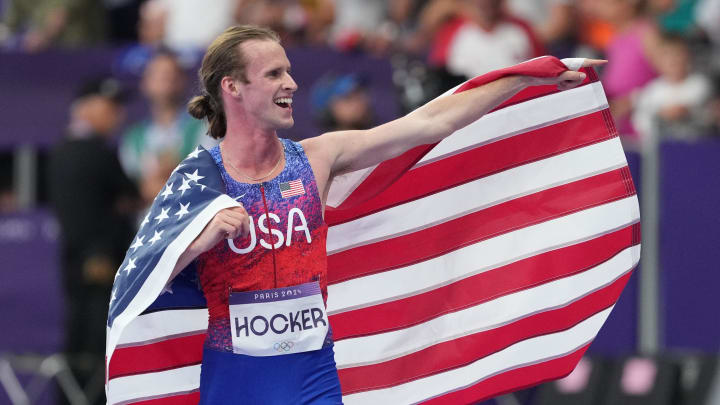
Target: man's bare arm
(427, 124)
(227, 224)
(346, 151)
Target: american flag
(291, 188)
(457, 271)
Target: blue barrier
(690, 244)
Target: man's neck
(252, 152)
(249, 146)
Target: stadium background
(384, 58)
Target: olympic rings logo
(284, 346)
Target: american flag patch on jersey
(291, 188)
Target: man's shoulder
(314, 144)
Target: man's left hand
(567, 79)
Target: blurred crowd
(663, 53)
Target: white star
(194, 176)
(162, 215)
(146, 220)
(131, 265)
(114, 295)
(177, 168)
(167, 289)
(156, 237)
(194, 153)
(183, 210)
(202, 187)
(168, 191)
(138, 243)
(185, 186)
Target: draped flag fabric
(457, 271)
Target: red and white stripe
(488, 266)
(492, 263)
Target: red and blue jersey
(285, 245)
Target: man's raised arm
(346, 151)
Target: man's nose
(290, 83)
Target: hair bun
(200, 106)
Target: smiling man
(263, 266)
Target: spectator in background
(35, 25)
(311, 20)
(707, 16)
(151, 24)
(676, 100)
(122, 20)
(151, 36)
(377, 27)
(191, 24)
(93, 201)
(477, 36)
(355, 20)
(594, 32)
(713, 109)
(553, 21)
(184, 26)
(274, 14)
(151, 148)
(676, 16)
(404, 17)
(630, 53)
(342, 103)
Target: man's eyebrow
(278, 67)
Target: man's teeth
(284, 100)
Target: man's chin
(287, 124)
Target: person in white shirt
(677, 98)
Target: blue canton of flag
(172, 210)
(193, 194)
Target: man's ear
(230, 86)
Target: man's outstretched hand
(567, 79)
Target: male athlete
(262, 266)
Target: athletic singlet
(285, 247)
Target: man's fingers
(594, 62)
(228, 230)
(571, 76)
(240, 209)
(570, 79)
(222, 230)
(235, 212)
(238, 217)
(233, 216)
(233, 226)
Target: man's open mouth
(283, 102)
